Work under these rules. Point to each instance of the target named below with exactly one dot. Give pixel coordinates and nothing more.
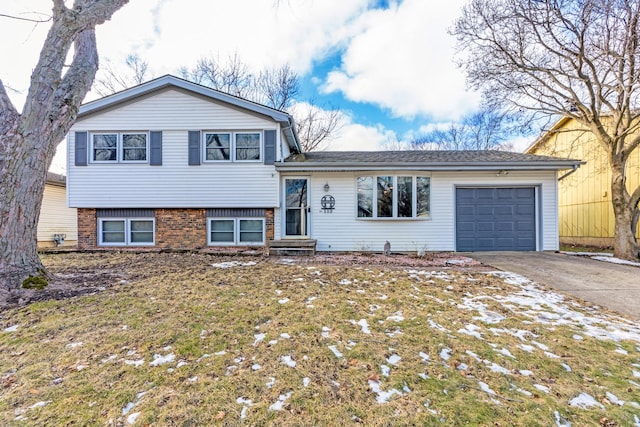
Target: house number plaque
(328, 203)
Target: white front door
(296, 191)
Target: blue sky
(387, 65)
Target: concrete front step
(292, 247)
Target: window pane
(247, 146)
(134, 146)
(105, 147)
(218, 146)
(423, 192)
(405, 196)
(385, 196)
(141, 231)
(251, 230)
(113, 232)
(222, 231)
(365, 196)
(144, 225)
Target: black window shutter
(81, 149)
(156, 148)
(269, 147)
(194, 147)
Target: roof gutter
(473, 166)
(575, 168)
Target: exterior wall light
(326, 187)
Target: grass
(81, 361)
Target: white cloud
(401, 59)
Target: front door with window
(297, 210)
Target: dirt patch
(75, 274)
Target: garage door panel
(492, 219)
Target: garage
(496, 219)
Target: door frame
(306, 212)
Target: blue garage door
(495, 219)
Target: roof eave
(432, 166)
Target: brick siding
(174, 228)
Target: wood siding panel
(175, 184)
(56, 217)
(584, 207)
(341, 231)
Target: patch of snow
(40, 404)
(74, 344)
(181, 364)
(511, 278)
(325, 332)
(285, 336)
(423, 375)
(485, 387)
(636, 421)
(436, 326)
(396, 317)
(385, 370)
(394, 359)
(614, 260)
(135, 363)
(246, 404)
(271, 382)
(287, 360)
(109, 359)
(471, 330)
(542, 388)
(551, 355)
(525, 372)
(424, 356)
(131, 419)
(621, 351)
(230, 264)
(505, 352)
(12, 328)
(256, 367)
(560, 421)
(306, 381)
(636, 374)
(363, 325)
(462, 367)
(527, 348)
(446, 353)
(161, 360)
(283, 301)
(280, 402)
(578, 337)
(344, 282)
(258, 338)
(585, 401)
(382, 395)
(335, 351)
(614, 399)
(272, 342)
(192, 379)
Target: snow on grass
(279, 404)
(11, 328)
(246, 403)
(485, 387)
(385, 370)
(542, 388)
(363, 325)
(614, 399)
(335, 351)
(396, 317)
(585, 401)
(73, 345)
(287, 360)
(161, 360)
(283, 301)
(445, 353)
(424, 356)
(394, 359)
(560, 421)
(135, 363)
(382, 395)
(471, 330)
(306, 381)
(231, 264)
(258, 338)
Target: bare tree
(110, 80)
(565, 58)
(276, 87)
(28, 139)
(487, 129)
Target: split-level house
(172, 164)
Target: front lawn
(195, 340)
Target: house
(584, 197)
(171, 164)
(57, 222)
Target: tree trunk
(624, 241)
(23, 170)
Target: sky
(387, 65)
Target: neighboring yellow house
(584, 196)
(58, 223)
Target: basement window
(235, 231)
(126, 232)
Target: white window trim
(236, 231)
(414, 198)
(119, 147)
(127, 231)
(232, 146)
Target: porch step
(292, 247)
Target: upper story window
(119, 147)
(393, 197)
(232, 146)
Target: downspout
(575, 168)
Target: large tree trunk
(624, 241)
(28, 141)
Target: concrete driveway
(613, 286)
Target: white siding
(175, 184)
(56, 217)
(341, 231)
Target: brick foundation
(174, 229)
